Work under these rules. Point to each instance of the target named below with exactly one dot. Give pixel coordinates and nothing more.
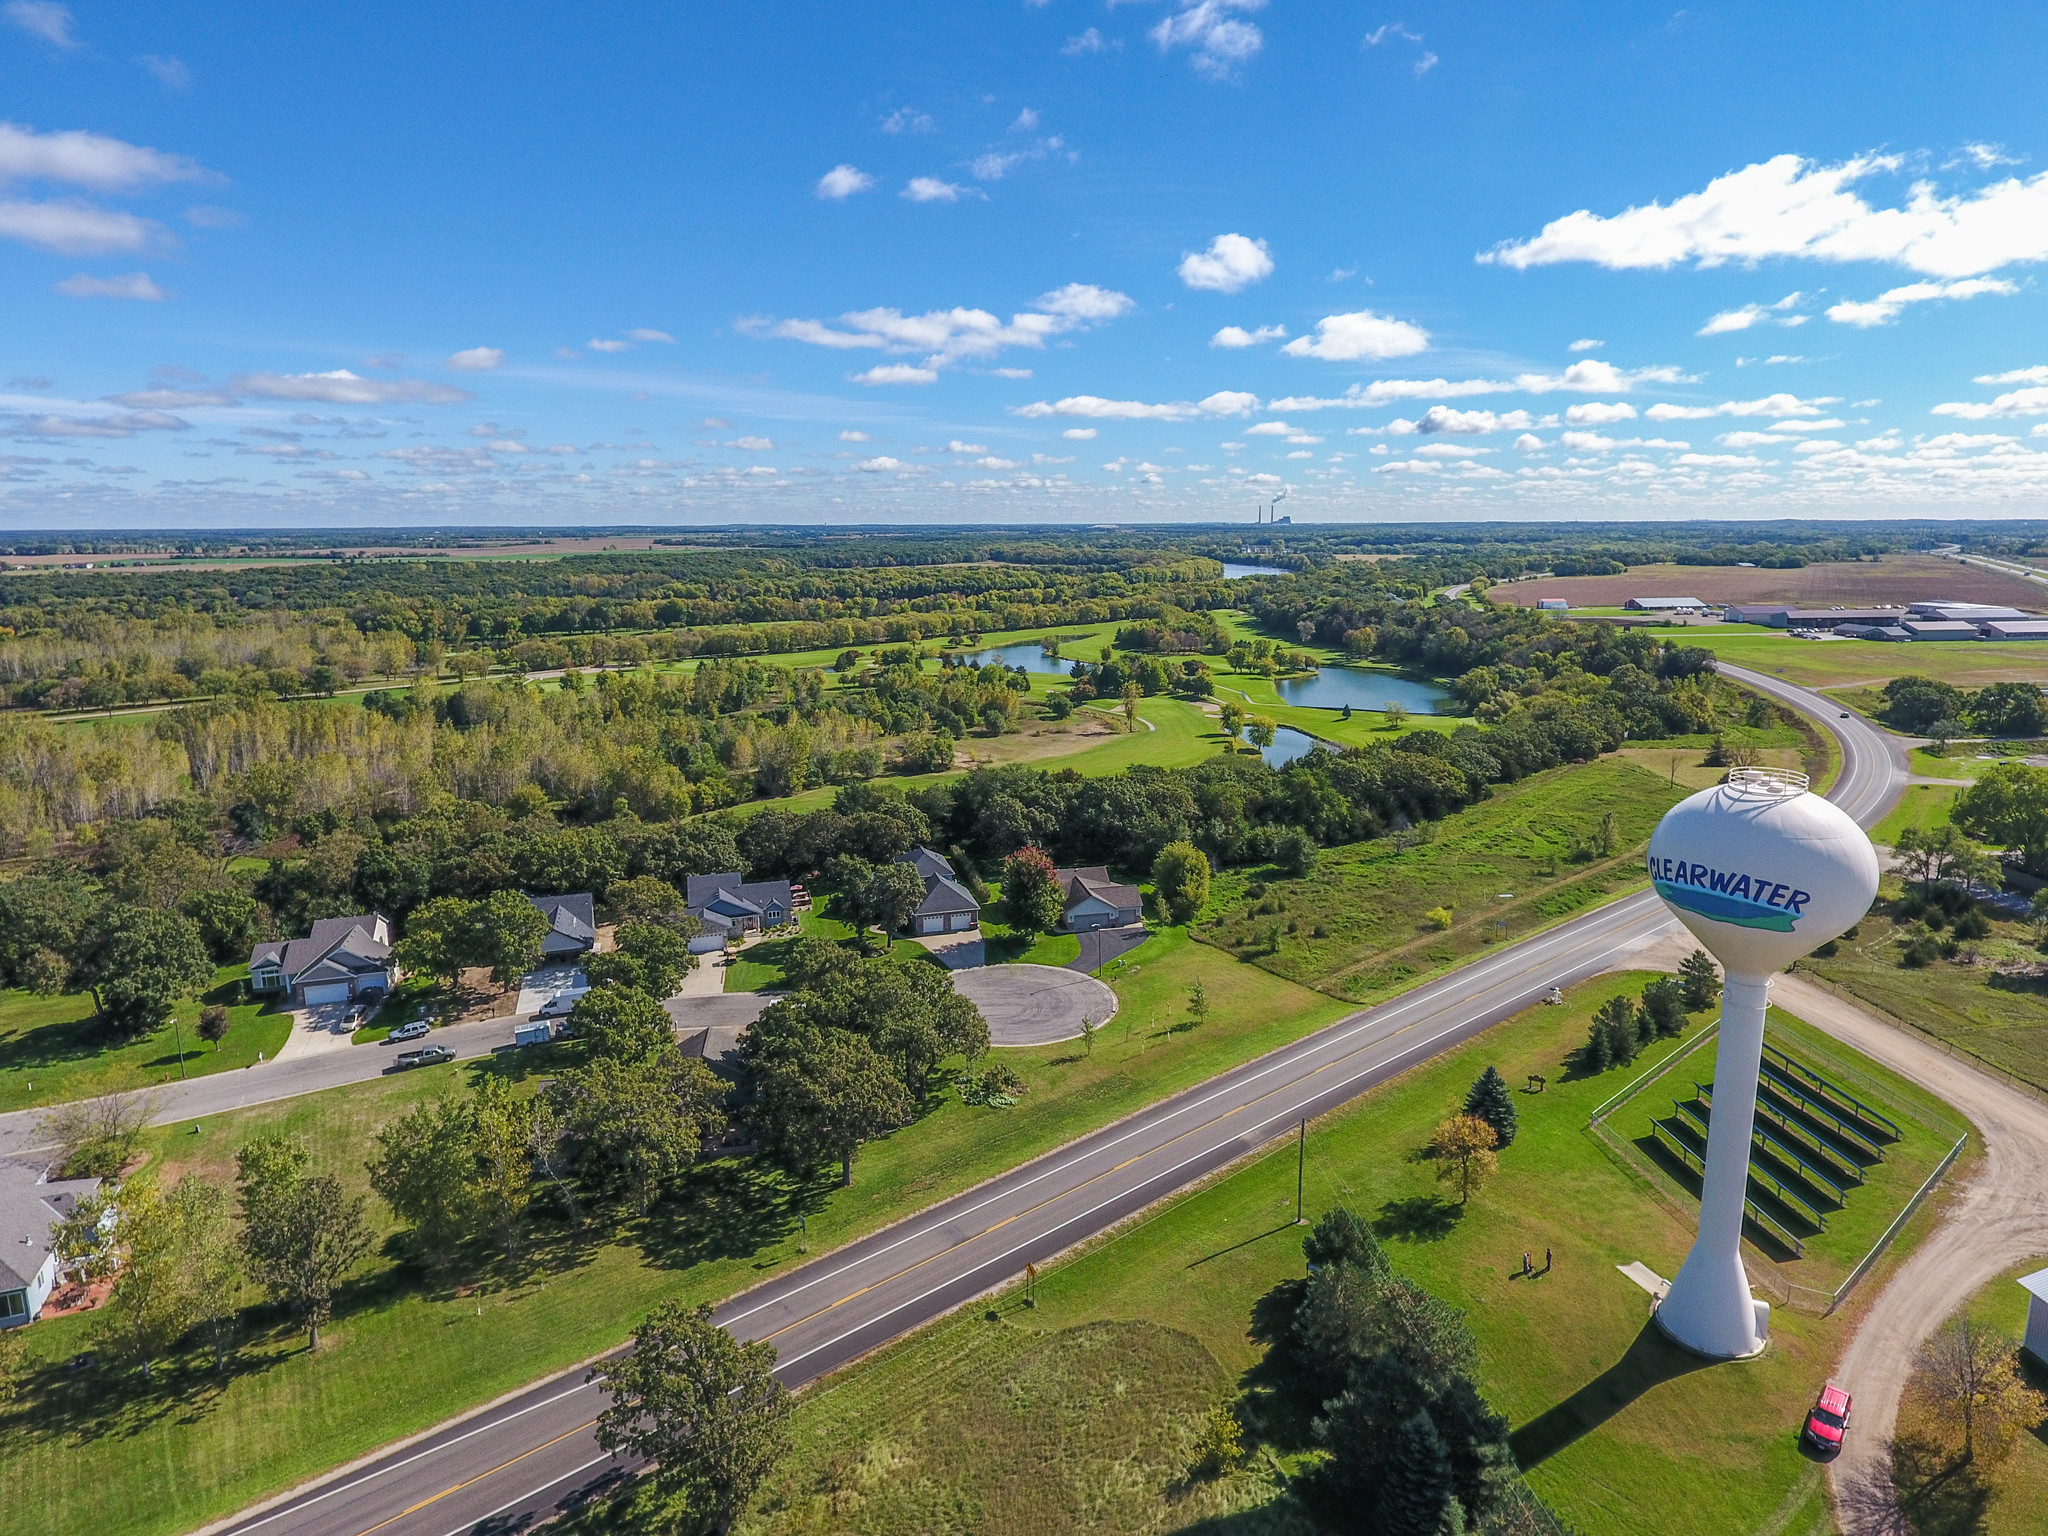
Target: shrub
(1438, 918)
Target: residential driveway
(1106, 944)
(956, 951)
(1034, 1004)
(539, 988)
(318, 1030)
(710, 1026)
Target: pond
(1232, 571)
(1026, 654)
(1361, 688)
(1288, 744)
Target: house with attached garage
(572, 927)
(30, 1208)
(1093, 900)
(730, 907)
(948, 906)
(342, 959)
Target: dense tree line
(1926, 706)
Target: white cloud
(993, 463)
(897, 373)
(1885, 308)
(956, 446)
(1444, 419)
(1407, 467)
(341, 387)
(851, 436)
(2018, 402)
(879, 466)
(642, 333)
(1585, 344)
(1360, 335)
(170, 73)
(476, 359)
(1788, 206)
(1753, 314)
(906, 120)
(1218, 41)
(121, 424)
(1090, 41)
(1529, 442)
(1449, 451)
(1390, 29)
(607, 344)
(2034, 375)
(42, 18)
(1588, 376)
(1770, 405)
(842, 181)
(1983, 156)
(1010, 373)
(73, 229)
(1026, 121)
(929, 189)
(1750, 440)
(1232, 262)
(1223, 403)
(950, 335)
(1080, 434)
(1269, 429)
(1717, 460)
(130, 285)
(753, 444)
(1238, 336)
(88, 160)
(1596, 413)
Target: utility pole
(1300, 1165)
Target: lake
(1288, 744)
(1232, 571)
(1028, 656)
(1334, 687)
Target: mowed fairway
(1359, 925)
(1621, 1432)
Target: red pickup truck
(1828, 1421)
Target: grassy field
(2004, 1492)
(407, 1351)
(1823, 663)
(1621, 1432)
(52, 1051)
(1926, 806)
(1357, 925)
(1929, 1131)
(1996, 1008)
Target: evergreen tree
(1702, 984)
(1664, 1008)
(1613, 1040)
(1490, 1100)
(1416, 1496)
(1341, 1236)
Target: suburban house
(1093, 900)
(730, 907)
(29, 1209)
(948, 906)
(572, 926)
(343, 958)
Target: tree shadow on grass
(51, 1045)
(728, 1209)
(1942, 1494)
(1418, 1219)
(1651, 1360)
(1273, 1408)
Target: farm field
(1995, 1008)
(405, 1352)
(1359, 924)
(1890, 579)
(1024, 1417)
(51, 1050)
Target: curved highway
(533, 1455)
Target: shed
(1552, 605)
(2036, 1341)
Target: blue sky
(373, 264)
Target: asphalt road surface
(533, 1455)
(1034, 1004)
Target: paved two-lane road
(522, 1460)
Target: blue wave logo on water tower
(1746, 899)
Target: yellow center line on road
(1214, 1120)
(467, 1481)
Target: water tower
(1762, 872)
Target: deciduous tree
(823, 1097)
(1180, 879)
(1032, 899)
(301, 1232)
(1463, 1146)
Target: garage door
(327, 992)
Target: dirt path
(1998, 1220)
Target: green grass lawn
(1818, 663)
(1356, 926)
(1620, 1432)
(52, 1050)
(406, 1351)
(1925, 806)
(1996, 1008)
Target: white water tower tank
(1762, 871)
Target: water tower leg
(1708, 1308)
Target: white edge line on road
(470, 1525)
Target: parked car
(560, 1006)
(425, 1056)
(1827, 1422)
(412, 1031)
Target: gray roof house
(727, 905)
(341, 959)
(572, 925)
(29, 1209)
(1096, 901)
(948, 906)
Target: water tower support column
(1708, 1308)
